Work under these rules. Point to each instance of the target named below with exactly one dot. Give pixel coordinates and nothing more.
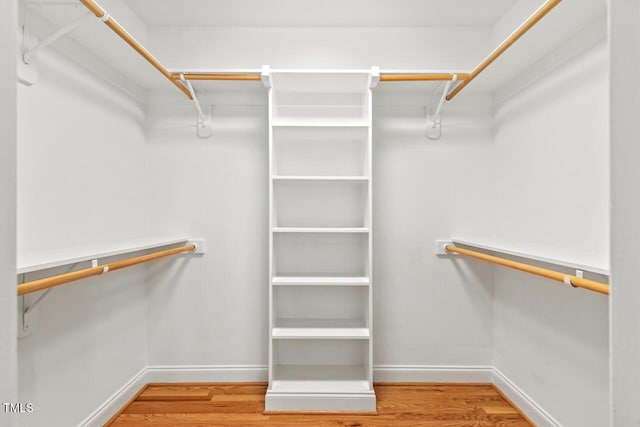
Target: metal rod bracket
(434, 126)
(28, 54)
(203, 124)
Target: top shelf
(570, 264)
(356, 81)
(65, 256)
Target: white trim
(114, 403)
(275, 401)
(206, 373)
(523, 401)
(432, 373)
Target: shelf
(321, 123)
(320, 230)
(498, 250)
(320, 379)
(355, 178)
(320, 151)
(66, 256)
(320, 280)
(331, 205)
(320, 329)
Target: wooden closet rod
(519, 32)
(124, 35)
(228, 76)
(421, 77)
(575, 281)
(62, 279)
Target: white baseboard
(207, 373)
(381, 373)
(120, 398)
(522, 401)
(432, 374)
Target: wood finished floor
(405, 405)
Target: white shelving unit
(320, 348)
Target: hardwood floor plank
(399, 405)
(176, 395)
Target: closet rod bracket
(434, 126)
(441, 248)
(28, 316)
(204, 127)
(265, 76)
(28, 53)
(374, 77)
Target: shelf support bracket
(28, 54)
(434, 127)
(204, 127)
(28, 316)
(265, 76)
(374, 77)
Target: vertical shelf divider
(320, 242)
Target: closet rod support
(28, 53)
(265, 76)
(434, 126)
(204, 126)
(33, 306)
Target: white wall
(625, 206)
(551, 197)
(427, 310)
(335, 47)
(8, 122)
(213, 310)
(82, 180)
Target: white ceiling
(320, 13)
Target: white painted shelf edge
(320, 333)
(320, 123)
(321, 280)
(320, 230)
(320, 379)
(65, 256)
(499, 250)
(315, 71)
(362, 178)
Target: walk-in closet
(324, 213)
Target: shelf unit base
(276, 401)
